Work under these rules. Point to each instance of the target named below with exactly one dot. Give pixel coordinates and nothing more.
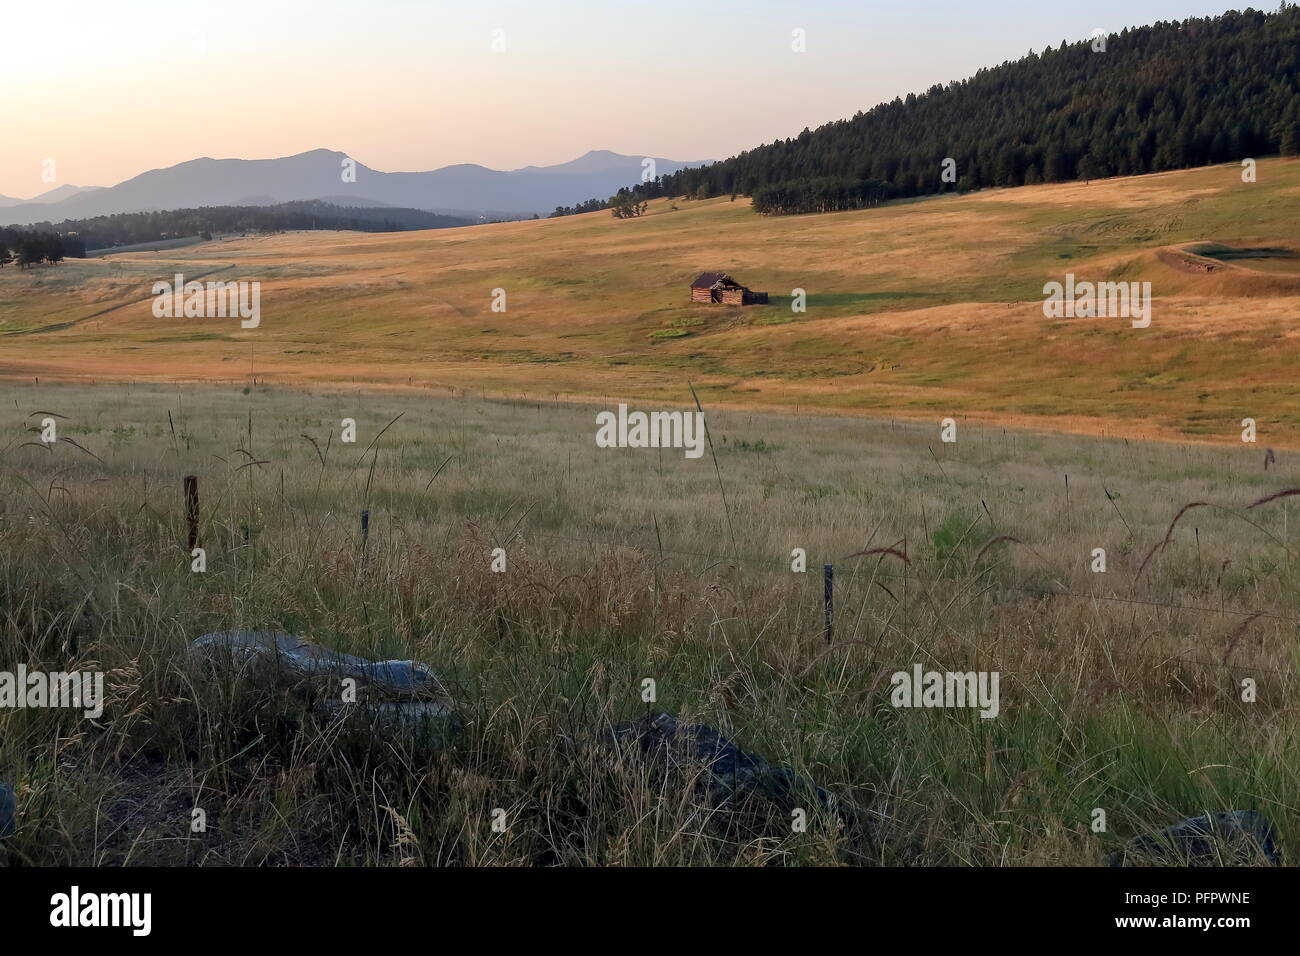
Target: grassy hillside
(923, 309)
(1171, 95)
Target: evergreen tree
(30, 252)
(1288, 133)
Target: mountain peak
(319, 152)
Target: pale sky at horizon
(110, 90)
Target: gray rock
(8, 810)
(725, 773)
(413, 718)
(1229, 837)
(302, 658)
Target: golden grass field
(922, 310)
(1120, 691)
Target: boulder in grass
(724, 773)
(425, 720)
(8, 810)
(1233, 837)
(301, 658)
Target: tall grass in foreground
(1120, 691)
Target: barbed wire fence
(835, 587)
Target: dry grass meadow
(921, 309)
(1120, 691)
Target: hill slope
(1161, 97)
(922, 309)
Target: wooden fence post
(828, 598)
(192, 512)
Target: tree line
(624, 204)
(591, 205)
(1167, 96)
(130, 228)
(35, 247)
(822, 194)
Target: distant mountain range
(462, 190)
(56, 195)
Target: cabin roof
(708, 280)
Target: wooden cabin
(720, 289)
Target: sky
(100, 91)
